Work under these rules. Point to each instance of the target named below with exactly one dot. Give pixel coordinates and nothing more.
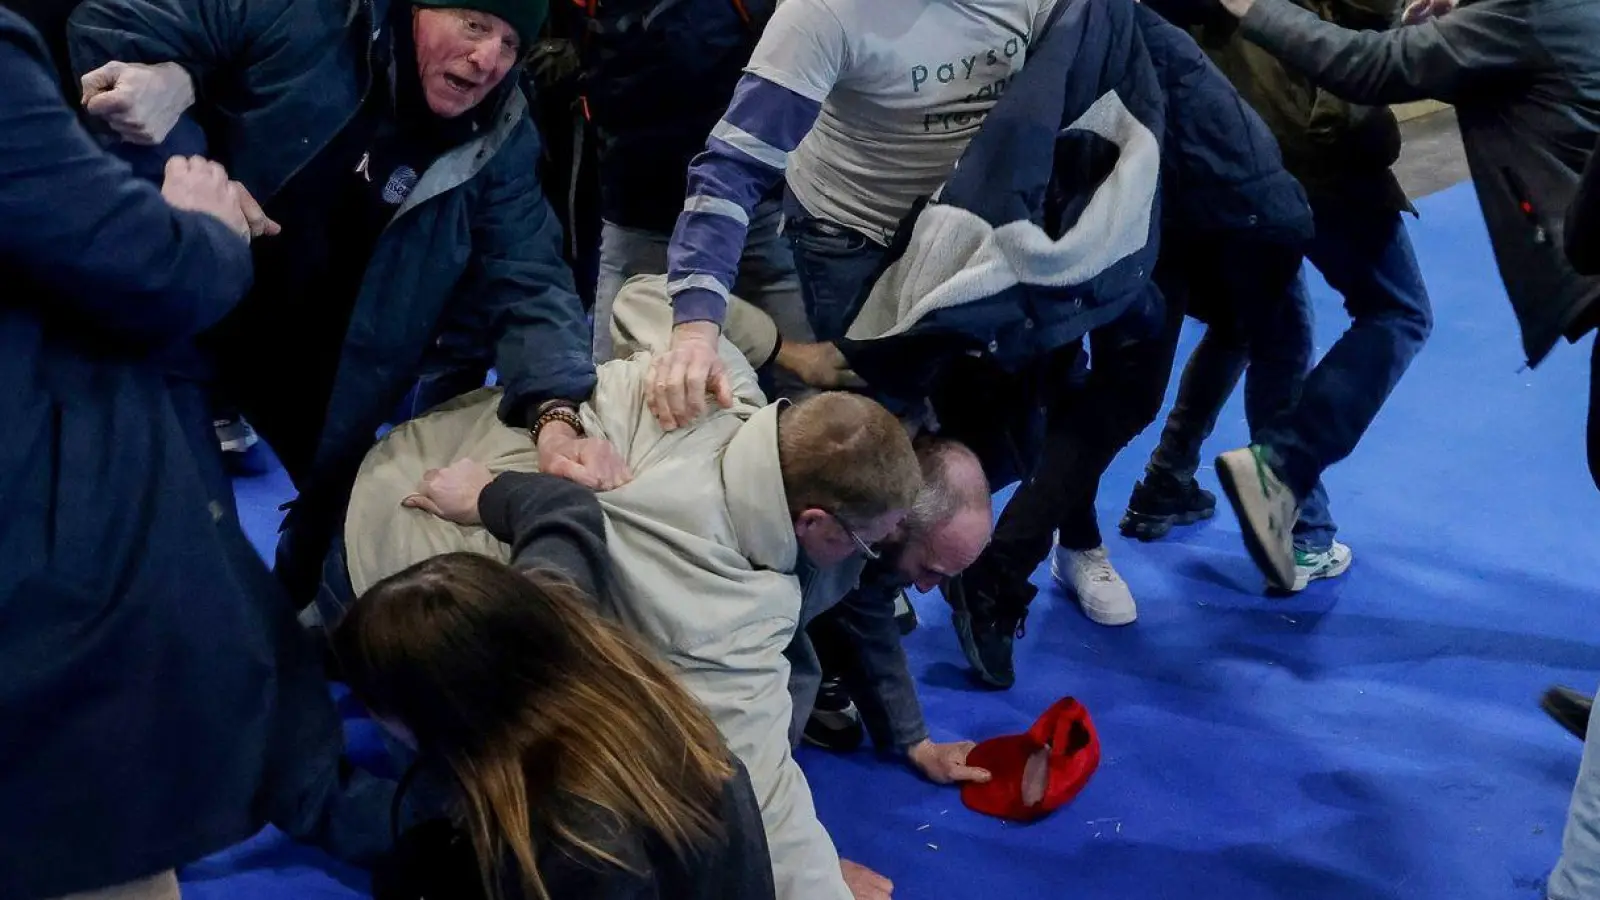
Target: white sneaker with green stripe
(1317, 565)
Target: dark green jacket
(1341, 152)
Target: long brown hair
(531, 700)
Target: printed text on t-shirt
(975, 67)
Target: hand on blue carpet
(865, 884)
(945, 763)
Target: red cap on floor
(1036, 773)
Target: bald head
(952, 482)
(952, 519)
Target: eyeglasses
(866, 549)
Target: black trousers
(1089, 418)
(1594, 413)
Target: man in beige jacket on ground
(707, 542)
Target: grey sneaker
(1267, 512)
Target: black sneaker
(241, 450)
(905, 615)
(835, 723)
(1161, 503)
(1569, 708)
(985, 634)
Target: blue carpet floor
(1373, 738)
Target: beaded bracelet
(557, 414)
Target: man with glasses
(388, 142)
(732, 531)
(850, 677)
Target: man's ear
(808, 519)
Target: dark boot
(986, 630)
(1569, 708)
(835, 723)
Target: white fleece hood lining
(954, 257)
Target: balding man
(857, 642)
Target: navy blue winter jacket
(1119, 131)
(157, 700)
(473, 251)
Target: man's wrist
(702, 329)
(554, 431)
(698, 305)
(179, 81)
(558, 430)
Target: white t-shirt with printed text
(904, 86)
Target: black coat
(150, 675)
(657, 77)
(436, 859)
(1583, 220)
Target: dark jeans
(858, 641)
(836, 266)
(1259, 314)
(1088, 420)
(1366, 255)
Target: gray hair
(952, 481)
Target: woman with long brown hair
(582, 769)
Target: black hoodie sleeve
(551, 524)
(1583, 221)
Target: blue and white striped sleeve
(793, 68)
(745, 156)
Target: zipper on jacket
(366, 91)
(1519, 194)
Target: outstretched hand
(946, 763)
(819, 365)
(865, 884)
